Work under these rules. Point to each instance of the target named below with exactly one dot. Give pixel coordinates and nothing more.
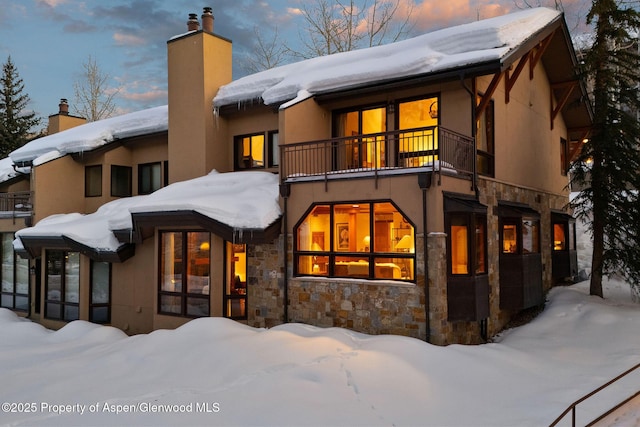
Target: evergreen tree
(609, 164)
(15, 121)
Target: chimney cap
(192, 23)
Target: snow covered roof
(239, 200)
(92, 135)
(451, 48)
(7, 171)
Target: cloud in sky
(128, 37)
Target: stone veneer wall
(369, 306)
(491, 192)
(393, 307)
(265, 287)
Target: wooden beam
(568, 88)
(578, 145)
(510, 80)
(484, 101)
(540, 49)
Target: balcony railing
(435, 148)
(16, 204)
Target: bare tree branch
(94, 99)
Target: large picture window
(62, 286)
(15, 276)
(185, 264)
(358, 240)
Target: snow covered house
(417, 188)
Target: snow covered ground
(214, 371)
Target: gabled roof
(91, 136)
(479, 47)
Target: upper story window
(366, 149)
(185, 268)
(485, 141)
(358, 240)
(93, 181)
(62, 286)
(120, 181)
(149, 177)
(419, 144)
(564, 157)
(15, 276)
(256, 151)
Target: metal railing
(572, 407)
(18, 203)
(434, 147)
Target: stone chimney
(63, 107)
(207, 19)
(192, 23)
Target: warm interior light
(405, 243)
(316, 247)
(204, 246)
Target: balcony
(16, 204)
(409, 150)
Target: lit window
(359, 240)
(367, 148)
(93, 181)
(467, 254)
(184, 273)
(120, 181)
(62, 286)
(250, 151)
(236, 281)
(418, 146)
(100, 305)
(15, 276)
(521, 236)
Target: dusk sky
(49, 40)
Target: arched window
(371, 240)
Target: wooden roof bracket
(486, 97)
(540, 49)
(510, 80)
(568, 88)
(578, 145)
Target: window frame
(471, 220)
(93, 304)
(14, 294)
(115, 176)
(183, 294)
(488, 124)
(270, 154)
(63, 287)
(371, 256)
(87, 176)
(229, 296)
(142, 168)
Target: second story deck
(17, 204)
(431, 148)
